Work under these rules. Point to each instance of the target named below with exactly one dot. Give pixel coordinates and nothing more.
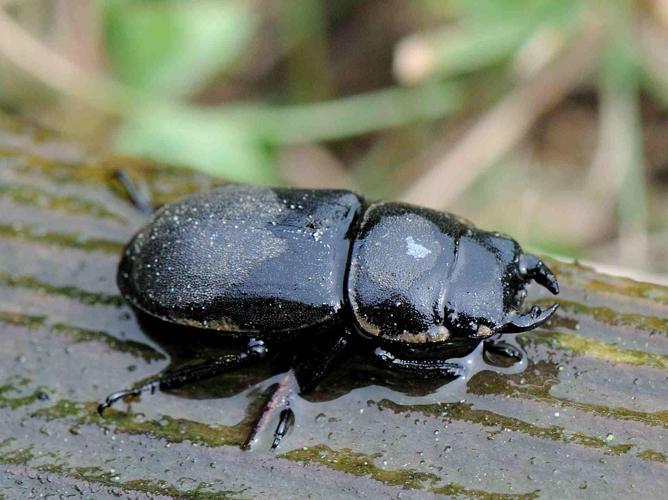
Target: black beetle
(325, 267)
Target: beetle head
(486, 287)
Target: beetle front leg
(501, 349)
(423, 367)
(311, 366)
(254, 351)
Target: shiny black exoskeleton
(417, 286)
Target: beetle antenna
(529, 320)
(136, 192)
(534, 268)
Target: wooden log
(587, 417)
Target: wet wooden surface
(588, 416)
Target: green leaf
(235, 141)
(173, 48)
(217, 143)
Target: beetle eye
(519, 297)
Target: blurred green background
(545, 119)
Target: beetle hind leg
(423, 367)
(254, 351)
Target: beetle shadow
(186, 346)
(356, 370)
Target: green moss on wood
(17, 402)
(25, 233)
(362, 464)
(465, 412)
(76, 334)
(71, 292)
(607, 316)
(26, 195)
(592, 348)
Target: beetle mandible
(328, 268)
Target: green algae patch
(60, 239)
(535, 383)
(586, 278)
(465, 412)
(103, 477)
(596, 349)
(455, 490)
(610, 317)
(76, 334)
(164, 488)
(20, 456)
(17, 402)
(175, 430)
(137, 349)
(361, 464)
(653, 456)
(165, 182)
(630, 288)
(97, 475)
(25, 195)
(29, 321)
(71, 292)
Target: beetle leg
(311, 367)
(529, 320)
(425, 367)
(534, 268)
(137, 194)
(285, 421)
(503, 349)
(134, 392)
(255, 351)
